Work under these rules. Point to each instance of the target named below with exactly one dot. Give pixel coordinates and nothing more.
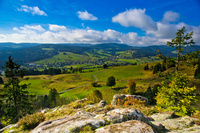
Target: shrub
(94, 84)
(1, 80)
(197, 72)
(131, 87)
(149, 95)
(29, 122)
(95, 96)
(111, 81)
(176, 96)
(128, 101)
(59, 114)
(146, 67)
(156, 68)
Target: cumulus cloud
(33, 10)
(86, 16)
(135, 18)
(170, 16)
(54, 27)
(60, 34)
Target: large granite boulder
(124, 114)
(69, 124)
(123, 96)
(132, 126)
(163, 116)
(178, 123)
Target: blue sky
(133, 22)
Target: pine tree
(16, 99)
(180, 41)
(149, 95)
(53, 96)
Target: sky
(132, 22)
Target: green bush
(176, 96)
(197, 72)
(29, 122)
(131, 87)
(94, 84)
(95, 96)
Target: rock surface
(102, 103)
(162, 116)
(123, 96)
(132, 126)
(68, 124)
(178, 123)
(167, 122)
(6, 128)
(124, 114)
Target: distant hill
(31, 52)
(10, 45)
(111, 46)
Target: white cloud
(54, 27)
(60, 34)
(33, 10)
(135, 18)
(170, 16)
(86, 16)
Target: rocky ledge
(102, 120)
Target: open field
(81, 82)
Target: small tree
(16, 99)
(53, 96)
(146, 67)
(1, 80)
(94, 84)
(176, 96)
(105, 66)
(131, 87)
(96, 96)
(197, 72)
(157, 68)
(111, 81)
(149, 95)
(180, 41)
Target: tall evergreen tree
(16, 101)
(53, 96)
(180, 41)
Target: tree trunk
(178, 58)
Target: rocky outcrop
(81, 119)
(6, 128)
(102, 103)
(69, 124)
(132, 126)
(123, 96)
(178, 123)
(171, 123)
(115, 120)
(124, 114)
(163, 116)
